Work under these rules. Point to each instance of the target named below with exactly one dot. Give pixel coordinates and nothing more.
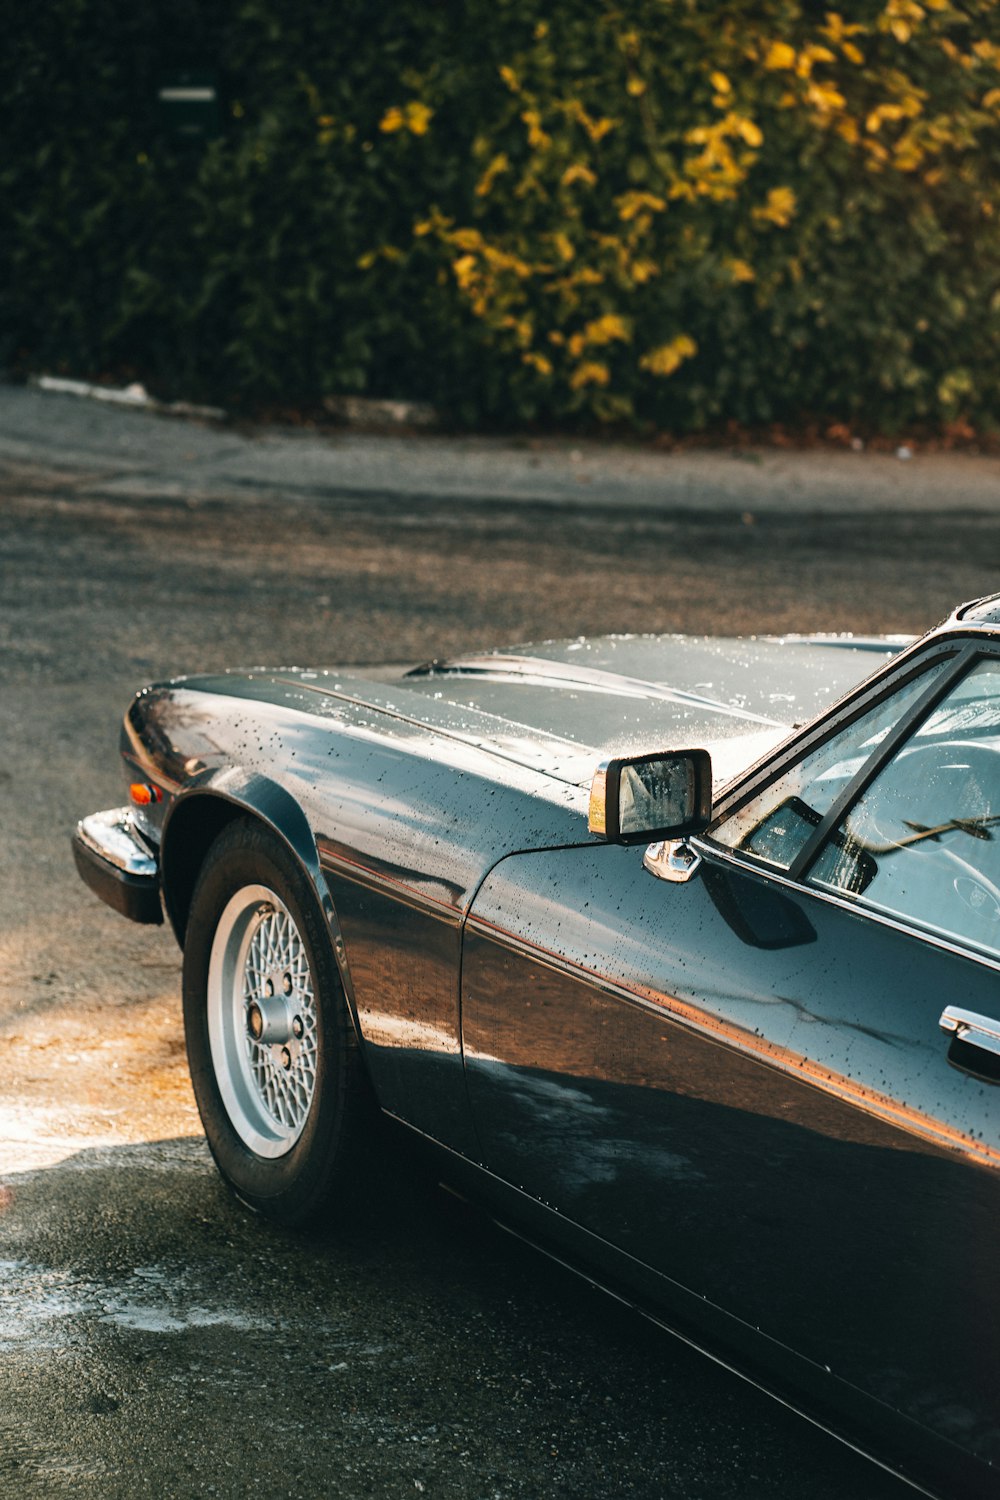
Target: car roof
(984, 611)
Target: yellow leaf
(578, 173)
(720, 83)
(537, 361)
(883, 112)
(643, 271)
(465, 269)
(596, 129)
(741, 270)
(606, 329)
(418, 117)
(837, 28)
(510, 79)
(956, 385)
(537, 137)
(630, 204)
(564, 246)
(590, 373)
(500, 163)
(665, 359)
(908, 156)
(823, 96)
(636, 87)
(467, 239)
(415, 118)
(778, 208)
(816, 54)
(751, 133)
(779, 55)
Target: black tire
(294, 1181)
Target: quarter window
(923, 840)
(778, 822)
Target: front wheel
(273, 1056)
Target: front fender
(197, 816)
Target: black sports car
(682, 953)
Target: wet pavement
(158, 1341)
(155, 1339)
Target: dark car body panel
(404, 794)
(755, 1140)
(731, 1096)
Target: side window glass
(778, 822)
(923, 842)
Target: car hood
(559, 707)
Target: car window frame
(965, 651)
(882, 754)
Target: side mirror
(644, 797)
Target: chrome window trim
(906, 727)
(909, 929)
(901, 670)
(965, 649)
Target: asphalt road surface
(157, 1340)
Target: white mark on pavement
(39, 1305)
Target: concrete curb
(117, 451)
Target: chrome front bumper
(117, 865)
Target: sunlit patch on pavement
(36, 1137)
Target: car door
(741, 1080)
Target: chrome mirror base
(673, 860)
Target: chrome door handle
(967, 1026)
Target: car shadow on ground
(160, 1339)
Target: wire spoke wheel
(275, 1064)
(262, 1021)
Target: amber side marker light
(144, 795)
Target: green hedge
(666, 212)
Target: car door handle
(976, 1031)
